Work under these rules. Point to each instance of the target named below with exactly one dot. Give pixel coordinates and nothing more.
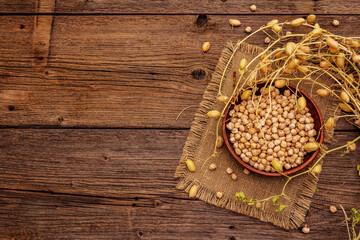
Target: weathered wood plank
(117, 71)
(186, 7)
(105, 184)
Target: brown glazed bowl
(318, 122)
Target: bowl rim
(286, 172)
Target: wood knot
(60, 119)
(21, 26)
(198, 74)
(157, 203)
(11, 108)
(201, 20)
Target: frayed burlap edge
(302, 201)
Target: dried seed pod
(276, 165)
(345, 107)
(351, 79)
(219, 142)
(288, 33)
(263, 67)
(305, 49)
(219, 195)
(234, 177)
(316, 25)
(301, 103)
(355, 44)
(333, 209)
(267, 40)
(213, 114)
(248, 29)
(280, 83)
(293, 64)
(290, 48)
(332, 43)
(301, 54)
(324, 64)
(357, 122)
(316, 32)
(272, 22)
(287, 71)
(356, 58)
(316, 170)
(340, 60)
(333, 50)
(278, 53)
(311, 147)
(190, 165)
(243, 64)
(335, 23)
(276, 28)
(246, 94)
(206, 47)
(297, 22)
(229, 170)
(246, 171)
(311, 18)
(303, 69)
(253, 8)
(252, 77)
(212, 167)
(234, 22)
(323, 92)
(344, 96)
(330, 123)
(223, 98)
(193, 191)
(351, 146)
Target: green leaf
(317, 190)
(275, 200)
(281, 207)
(245, 200)
(358, 167)
(240, 195)
(251, 203)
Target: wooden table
(89, 93)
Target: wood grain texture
(118, 71)
(186, 7)
(101, 184)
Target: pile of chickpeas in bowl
(268, 126)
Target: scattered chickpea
(253, 8)
(305, 229)
(333, 209)
(335, 23)
(234, 176)
(288, 33)
(267, 40)
(248, 29)
(246, 171)
(219, 195)
(258, 205)
(212, 167)
(229, 171)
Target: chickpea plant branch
(270, 123)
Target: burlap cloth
(200, 143)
